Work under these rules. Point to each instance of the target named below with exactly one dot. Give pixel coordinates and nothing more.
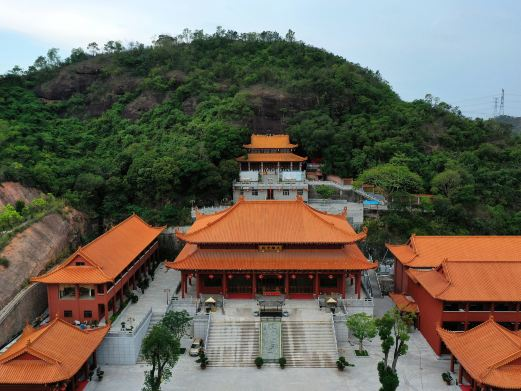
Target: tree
(290, 36)
(177, 322)
(393, 329)
(363, 327)
(93, 48)
(160, 349)
(391, 178)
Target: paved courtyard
(419, 370)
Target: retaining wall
(24, 307)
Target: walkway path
(155, 297)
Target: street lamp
(167, 291)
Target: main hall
(271, 247)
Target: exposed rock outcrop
(10, 192)
(30, 251)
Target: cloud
(65, 23)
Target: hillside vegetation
(152, 129)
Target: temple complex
(271, 247)
(56, 356)
(93, 282)
(271, 170)
(458, 282)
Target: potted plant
(122, 325)
(259, 362)
(447, 378)
(134, 298)
(202, 360)
(341, 363)
(282, 362)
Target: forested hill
(149, 129)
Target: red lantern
(247, 276)
(230, 276)
(190, 275)
(293, 276)
(310, 276)
(210, 276)
(330, 276)
(261, 276)
(279, 276)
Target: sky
(462, 51)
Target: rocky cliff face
(10, 192)
(40, 244)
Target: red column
(254, 284)
(344, 278)
(358, 283)
(452, 363)
(286, 283)
(224, 284)
(460, 374)
(182, 285)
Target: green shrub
(325, 191)
(4, 262)
(282, 362)
(259, 362)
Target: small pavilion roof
(271, 222)
(49, 354)
(276, 141)
(404, 303)
(347, 258)
(106, 256)
(471, 281)
(490, 353)
(271, 157)
(430, 251)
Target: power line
(502, 104)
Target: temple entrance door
(270, 284)
(269, 194)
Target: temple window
(80, 263)
(454, 326)
(505, 307)
(87, 314)
(67, 314)
(255, 192)
(300, 192)
(67, 291)
(451, 306)
(101, 289)
(285, 192)
(87, 292)
(479, 306)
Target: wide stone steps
(309, 344)
(233, 343)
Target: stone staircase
(309, 344)
(233, 343)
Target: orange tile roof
(430, 251)
(490, 353)
(107, 255)
(348, 258)
(50, 354)
(276, 141)
(404, 303)
(471, 281)
(273, 221)
(271, 157)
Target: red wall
(431, 311)
(400, 278)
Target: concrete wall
(123, 348)
(277, 195)
(25, 306)
(200, 326)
